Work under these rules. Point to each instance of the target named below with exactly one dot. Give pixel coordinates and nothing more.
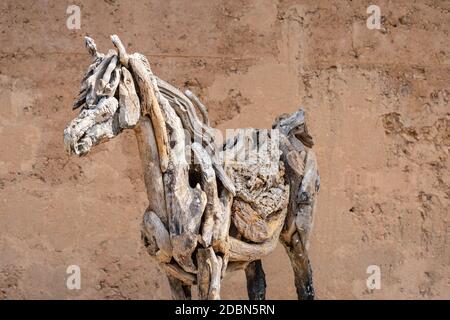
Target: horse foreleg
(256, 281)
(179, 290)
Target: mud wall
(377, 104)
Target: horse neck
(153, 178)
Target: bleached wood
(149, 105)
(154, 230)
(129, 106)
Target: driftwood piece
(175, 271)
(123, 56)
(209, 274)
(256, 280)
(244, 251)
(93, 81)
(298, 256)
(185, 204)
(106, 76)
(153, 178)
(200, 106)
(213, 206)
(199, 131)
(149, 105)
(92, 127)
(305, 198)
(114, 80)
(129, 106)
(155, 230)
(92, 48)
(217, 215)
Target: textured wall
(377, 103)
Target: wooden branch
(209, 185)
(222, 224)
(185, 204)
(155, 231)
(149, 104)
(306, 198)
(209, 274)
(93, 81)
(123, 56)
(129, 106)
(200, 106)
(176, 272)
(298, 255)
(113, 84)
(153, 177)
(199, 131)
(104, 80)
(92, 48)
(243, 251)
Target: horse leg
(256, 281)
(178, 289)
(298, 255)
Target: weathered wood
(209, 274)
(175, 271)
(244, 251)
(92, 127)
(93, 81)
(298, 256)
(200, 106)
(111, 86)
(213, 206)
(185, 204)
(153, 178)
(92, 48)
(199, 131)
(178, 289)
(129, 106)
(149, 105)
(123, 56)
(106, 76)
(155, 231)
(306, 198)
(256, 281)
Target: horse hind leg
(300, 221)
(296, 245)
(301, 266)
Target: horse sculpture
(213, 208)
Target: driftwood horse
(211, 209)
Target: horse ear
(129, 106)
(92, 48)
(123, 56)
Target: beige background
(377, 104)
